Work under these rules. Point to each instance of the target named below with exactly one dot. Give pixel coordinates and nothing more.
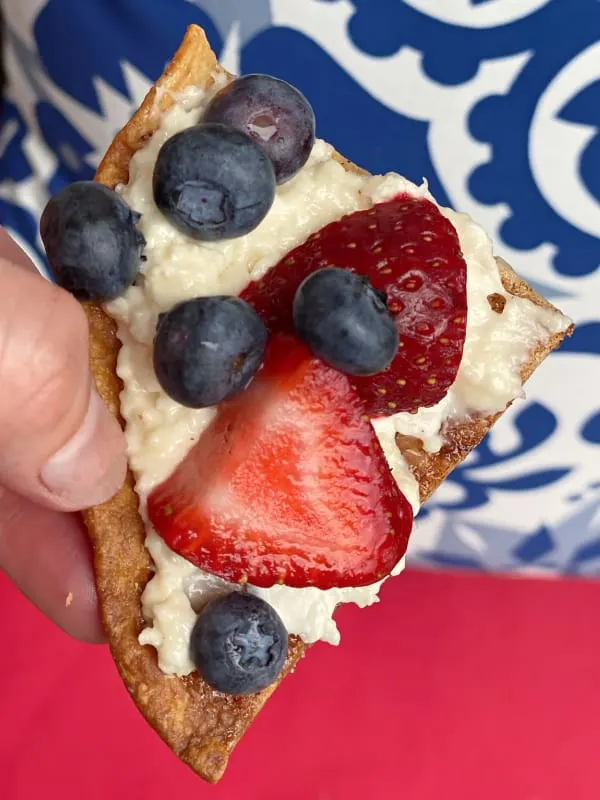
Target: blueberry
(239, 644)
(208, 349)
(345, 321)
(276, 115)
(92, 243)
(213, 182)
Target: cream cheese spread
(159, 432)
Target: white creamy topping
(496, 347)
(160, 432)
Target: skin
(48, 407)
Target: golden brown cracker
(201, 725)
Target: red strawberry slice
(287, 485)
(407, 248)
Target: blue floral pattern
(507, 124)
(452, 53)
(495, 102)
(535, 424)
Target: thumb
(58, 443)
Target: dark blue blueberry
(276, 115)
(92, 243)
(208, 349)
(239, 644)
(345, 321)
(213, 182)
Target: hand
(60, 450)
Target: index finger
(48, 555)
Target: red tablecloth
(455, 687)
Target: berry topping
(410, 251)
(239, 644)
(288, 484)
(345, 321)
(92, 243)
(213, 182)
(276, 115)
(208, 349)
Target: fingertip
(92, 466)
(59, 444)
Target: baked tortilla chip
(201, 725)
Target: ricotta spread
(159, 432)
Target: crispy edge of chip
(202, 726)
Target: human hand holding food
(60, 450)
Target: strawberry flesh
(409, 250)
(288, 484)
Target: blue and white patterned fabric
(497, 102)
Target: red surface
(456, 687)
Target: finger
(58, 443)
(47, 554)
(10, 251)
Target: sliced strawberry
(408, 249)
(287, 485)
